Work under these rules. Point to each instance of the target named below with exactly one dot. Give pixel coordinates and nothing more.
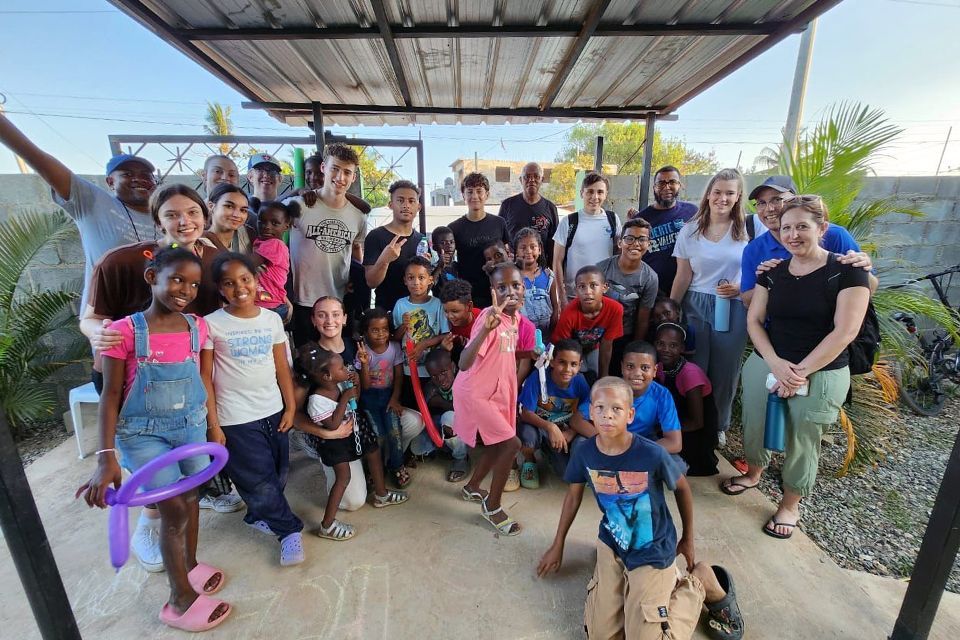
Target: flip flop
(726, 621)
(200, 575)
(767, 529)
(197, 617)
(726, 485)
(458, 470)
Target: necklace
(133, 225)
(672, 373)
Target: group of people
(610, 349)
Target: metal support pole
(318, 132)
(939, 163)
(648, 132)
(795, 113)
(421, 183)
(29, 547)
(935, 560)
(598, 156)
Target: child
(419, 316)
(381, 380)
(541, 303)
(637, 590)
(445, 249)
(691, 391)
(439, 397)
(495, 253)
(273, 256)
(160, 348)
(329, 406)
(250, 403)
(485, 395)
(667, 309)
(457, 300)
(591, 319)
(545, 424)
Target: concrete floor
(433, 569)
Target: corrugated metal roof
(491, 61)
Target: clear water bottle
(775, 425)
(423, 248)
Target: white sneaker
(227, 503)
(721, 439)
(291, 550)
(146, 547)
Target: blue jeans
(532, 437)
(258, 465)
(387, 424)
(422, 445)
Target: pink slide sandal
(200, 575)
(197, 617)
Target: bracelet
(105, 451)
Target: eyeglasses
(631, 240)
(763, 204)
(660, 184)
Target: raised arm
(54, 173)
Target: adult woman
(804, 313)
(708, 252)
(229, 208)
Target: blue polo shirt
(766, 247)
(655, 408)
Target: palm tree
(38, 330)
(219, 123)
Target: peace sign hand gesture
(392, 251)
(492, 320)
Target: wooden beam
(573, 54)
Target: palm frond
(23, 401)
(22, 237)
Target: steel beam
(392, 52)
(615, 113)
(319, 134)
(573, 54)
(644, 196)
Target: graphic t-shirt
(244, 371)
(392, 287)
(471, 238)
(655, 409)
(426, 321)
(607, 325)
(542, 216)
(636, 522)
(560, 404)
(634, 291)
(591, 243)
(381, 365)
(665, 225)
(536, 300)
(766, 247)
(321, 242)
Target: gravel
(36, 439)
(874, 518)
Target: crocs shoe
(513, 481)
(260, 526)
(291, 550)
(725, 622)
(146, 547)
(529, 476)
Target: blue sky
(97, 72)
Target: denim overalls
(165, 408)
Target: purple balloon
(127, 496)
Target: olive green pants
(807, 419)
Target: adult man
(219, 168)
(387, 249)
(529, 209)
(666, 216)
(324, 238)
(263, 174)
(768, 201)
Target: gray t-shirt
(637, 290)
(104, 223)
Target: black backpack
(574, 221)
(751, 230)
(865, 348)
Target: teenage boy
(263, 174)
(545, 422)
(438, 394)
(323, 240)
(530, 209)
(637, 591)
(655, 412)
(633, 283)
(592, 319)
(584, 237)
(419, 316)
(666, 216)
(473, 232)
(445, 248)
(387, 249)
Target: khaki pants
(643, 604)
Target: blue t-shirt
(561, 403)
(426, 321)
(665, 224)
(766, 247)
(655, 408)
(636, 522)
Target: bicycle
(921, 380)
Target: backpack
(864, 349)
(574, 221)
(751, 230)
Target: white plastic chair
(78, 396)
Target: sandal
(458, 470)
(509, 527)
(727, 486)
(726, 621)
(337, 530)
(473, 496)
(771, 530)
(197, 617)
(529, 476)
(390, 498)
(402, 477)
(200, 575)
(513, 480)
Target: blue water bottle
(774, 428)
(352, 402)
(721, 311)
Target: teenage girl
(250, 403)
(229, 208)
(541, 302)
(485, 394)
(272, 255)
(154, 401)
(330, 406)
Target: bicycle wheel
(921, 388)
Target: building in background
(504, 177)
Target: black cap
(783, 184)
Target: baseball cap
(262, 158)
(782, 184)
(123, 158)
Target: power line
(39, 12)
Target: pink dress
(485, 395)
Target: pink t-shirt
(526, 334)
(273, 276)
(164, 347)
(690, 377)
